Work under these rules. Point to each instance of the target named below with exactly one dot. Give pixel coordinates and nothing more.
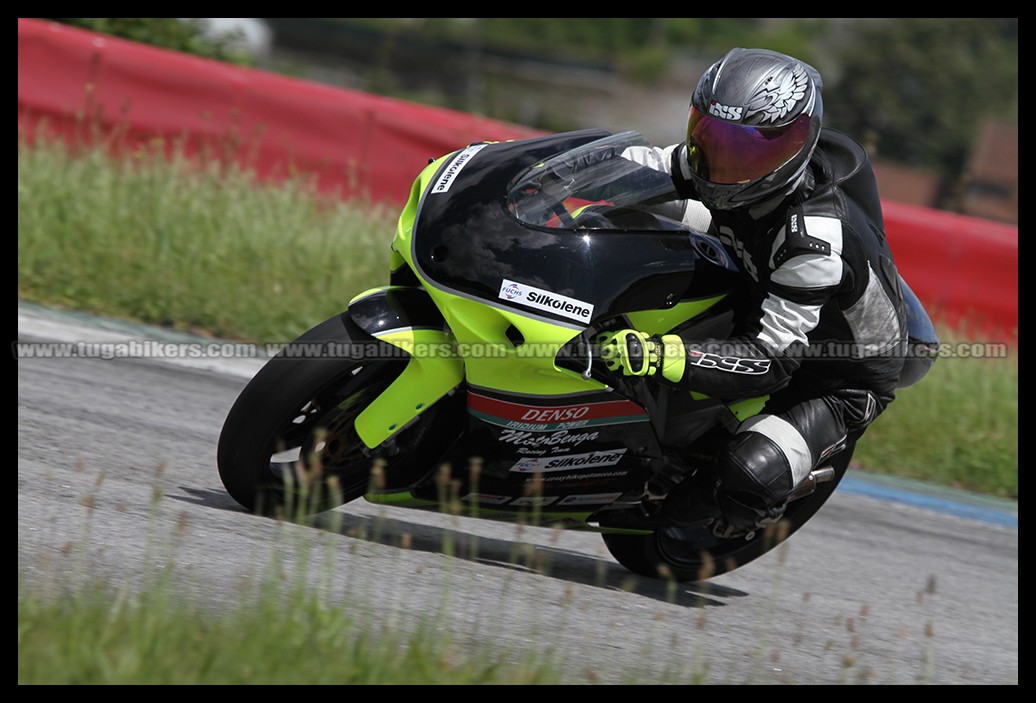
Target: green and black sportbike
(477, 364)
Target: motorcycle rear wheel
(695, 554)
(289, 445)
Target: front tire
(289, 444)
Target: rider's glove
(637, 354)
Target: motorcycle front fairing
(526, 248)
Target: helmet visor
(724, 152)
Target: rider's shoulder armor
(797, 240)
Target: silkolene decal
(538, 418)
(459, 161)
(532, 297)
(569, 462)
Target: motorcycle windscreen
(491, 237)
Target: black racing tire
(288, 446)
(695, 554)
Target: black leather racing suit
(820, 325)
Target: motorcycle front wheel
(289, 444)
(695, 554)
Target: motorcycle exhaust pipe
(809, 484)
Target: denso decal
(535, 418)
(570, 462)
(459, 161)
(575, 412)
(532, 297)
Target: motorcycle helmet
(754, 122)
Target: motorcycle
(474, 372)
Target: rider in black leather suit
(821, 324)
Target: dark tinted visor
(724, 152)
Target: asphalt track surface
(888, 584)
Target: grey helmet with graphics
(754, 122)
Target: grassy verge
(108, 637)
(198, 246)
(957, 428)
(287, 621)
(208, 249)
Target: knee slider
(754, 464)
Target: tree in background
(916, 90)
(184, 34)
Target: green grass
(202, 247)
(106, 637)
(293, 617)
(207, 248)
(958, 427)
(283, 625)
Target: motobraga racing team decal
(532, 297)
(535, 418)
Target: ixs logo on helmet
(725, 111)
(546, 300)
(731, 364)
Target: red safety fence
(965, 269)
(77, 83)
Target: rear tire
(695, 554)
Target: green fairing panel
(426, 379)
(664, 320)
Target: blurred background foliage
(914, 90)
(185, 34)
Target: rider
(820, 323)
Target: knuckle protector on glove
(635, 353)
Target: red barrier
(351, 142)
(357, 144)
(965, 269)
